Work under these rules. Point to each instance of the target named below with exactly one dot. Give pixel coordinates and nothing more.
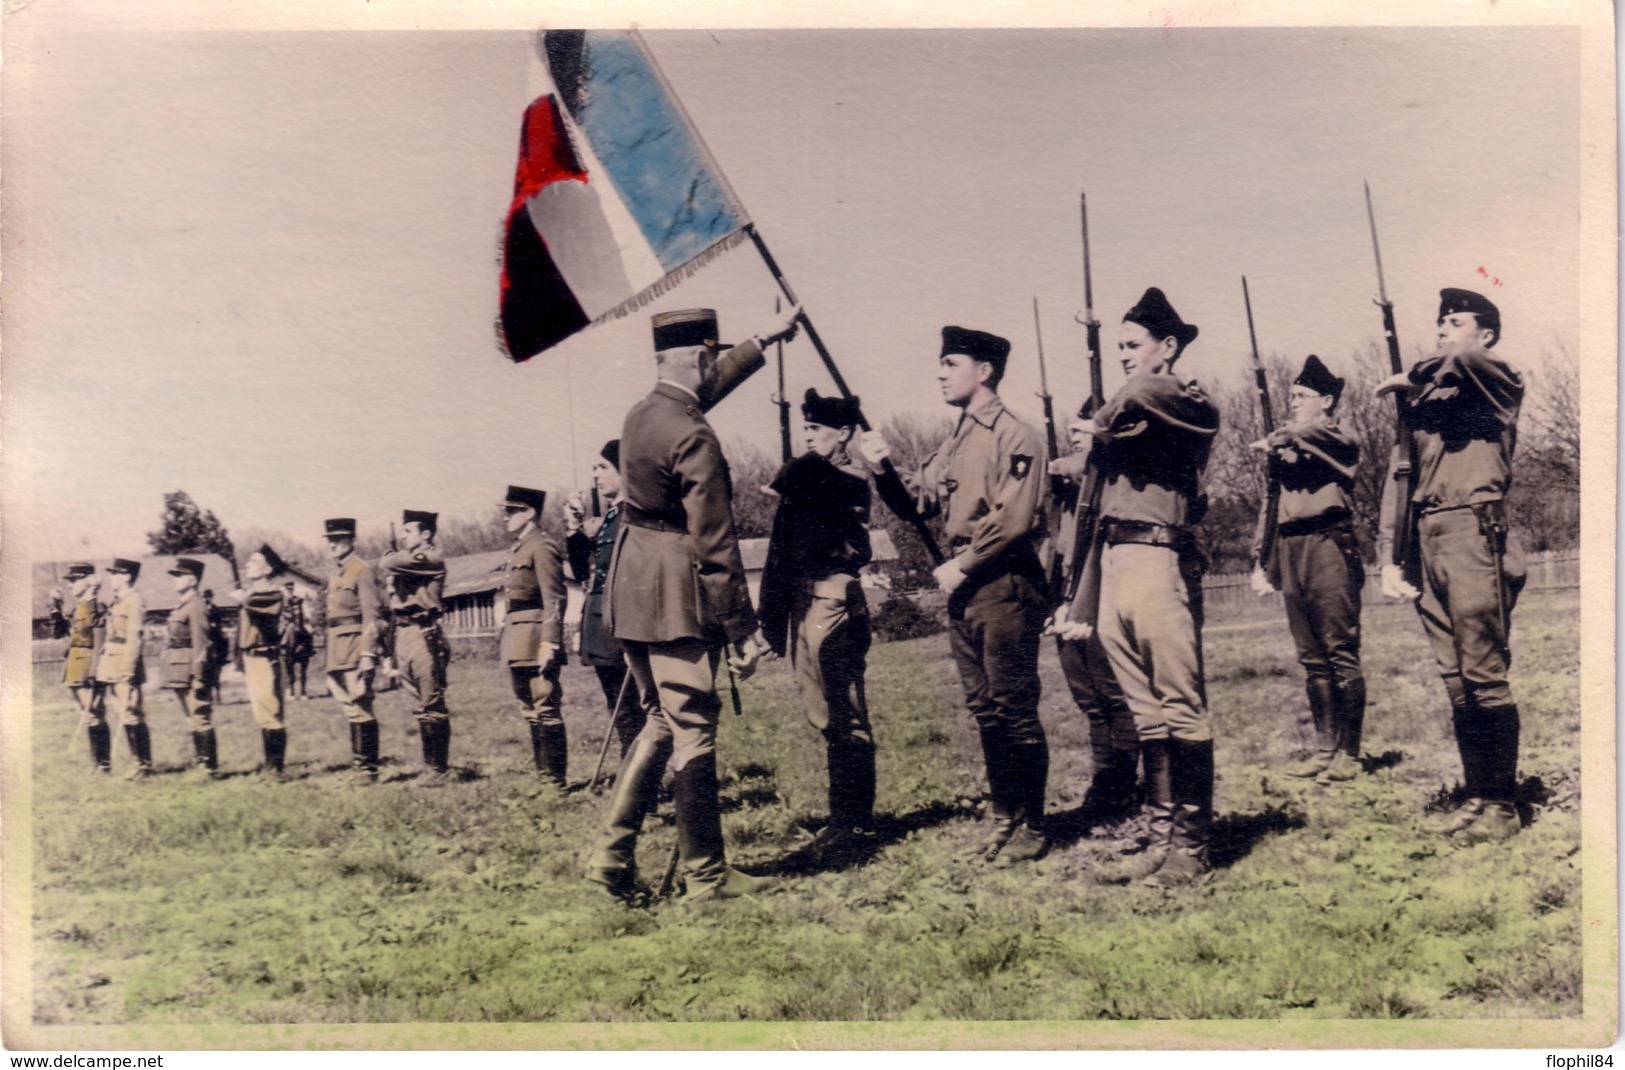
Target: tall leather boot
(1159, 811)
(613, 862)
(101, 747)
(426, 733)
(699, 837)
(1192, 764)
(442, 745)
(1322, 694)
(1030, 780)
(367, 746)
(1498, 817)
(851, 784)
(555, 754)
(1002, 794)
(1348, 720)
(203, 743)
(275, 743)
(538, 747)
(140, 749)
(355, 747)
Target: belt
(173, 645)
(649, 522)
(339, 622)
(1312, 524)
(1145, 533)
(261, 651)
(1429, 510)
(516, 606)
(837, 586)
(117, 642)
(422, 619)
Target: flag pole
(888, 482)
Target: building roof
(155, 586)
(475, 573)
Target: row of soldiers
(667, 599)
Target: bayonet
(1261, 385)
(1404, 487)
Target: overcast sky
(263, 267)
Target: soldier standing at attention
(120, 668)
(187, 661)
(297, 645)
(1317, 567)
(676, 595)
(352, 644)
(989, 480)
(417, 582)
(588, 543)
(1151, 444)
(1462, 404)
(813, 610)
(533, 631)
(259, 629)
(1114, 744)
(87, 631)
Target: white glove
(1261, 582)
(1394, 585)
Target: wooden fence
(1554, 570)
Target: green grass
(178, 900)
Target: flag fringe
(669, 281)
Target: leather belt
(1310, 525)
(339, 622)
(424, 619)
(837, 586)
(649, 522)
(514, 607)
(1145, 533)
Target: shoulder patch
(1020, 465)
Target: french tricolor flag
(615, 197)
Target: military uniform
(417, 584)
(587, 552)
(675, 594)
(187, 670)
(535, 616)
(297, 644)
(87, 631)
(1151, 444)
(121, 670)
(1463, 411)
(1316, 565)
(353, 628)
(988, 481)
(813, 609)
(1114, 744)
(259, 629)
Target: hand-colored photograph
(1052, 532)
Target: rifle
(1261, 384)
(1053, 562)
(1085, 547)
(1404, 441)
(888, 483)
(780, 400)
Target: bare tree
(1545, 496)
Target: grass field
(240, 901)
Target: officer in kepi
(352, 644)
(87, 631)
(813, 609)
(1462, 407)
(532, 644)
(120, 668)
(187, 655)
(1315, 563)
(416, 574)
(1151, 445)
(989, 480)
(676, 597)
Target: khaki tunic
(87, 631)
(352, 615)
(535, 595)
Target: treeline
(1545, 499)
